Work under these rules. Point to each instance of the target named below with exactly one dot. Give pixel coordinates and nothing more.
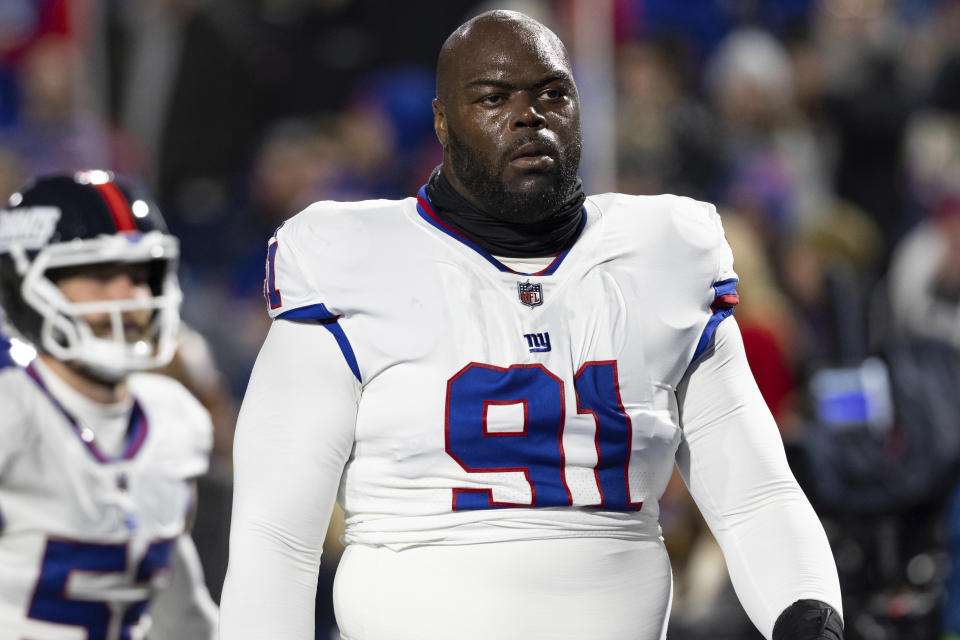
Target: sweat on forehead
(482, 41)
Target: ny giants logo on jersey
(530, 294)
(538, 342)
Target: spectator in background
(870, 100)
(393, 100)
(297, 162)
(368, 156)
(828, 271)
(57, 127)
(775, 163)
(945, 96)
(666, 140)
(22, 23)
(924, 276)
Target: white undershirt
(526, 265)
(107, 423)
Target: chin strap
(808, 620)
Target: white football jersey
(86, 538)
(498, 405)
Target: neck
(81, 381)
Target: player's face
(110, 281)
(513, 127)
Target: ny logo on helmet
(530, 294)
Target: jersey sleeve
(723, 296)
(198, 437)
(314, 262)
(732, 460)
(294, 436)
(302, 257)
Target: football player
(97, 459)
(496, 379)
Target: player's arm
(184, 609)
(294, 435)
(733, 462)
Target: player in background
(97, 459)
(496, 379)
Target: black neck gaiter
(548, 237)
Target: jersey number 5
(65, 560)
(537, 449)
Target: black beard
(486, 185)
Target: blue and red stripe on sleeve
(724, 300)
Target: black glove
(808, 620)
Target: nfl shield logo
(530, 294)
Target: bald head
(480, 41)
(508, 116)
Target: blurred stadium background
(827, 131)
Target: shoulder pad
(184, 423)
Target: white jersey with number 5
(86, 538)
(503, 406)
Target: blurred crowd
(826, 131)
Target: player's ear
(440, 122)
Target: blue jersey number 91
(537, 449)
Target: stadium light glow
(95, 176)
(22, 352)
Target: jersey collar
(425, 209)
(136, 430)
